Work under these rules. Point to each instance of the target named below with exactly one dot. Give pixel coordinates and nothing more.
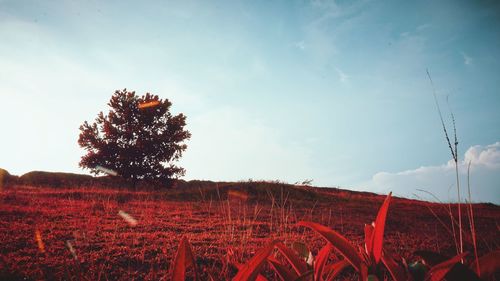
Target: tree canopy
(137, 139)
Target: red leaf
(439, 271)
(488, 264)
(306, 276)
(183, 260)
(363, 273)
(251, 269)
(397, 272)
(368, 238)
(284, 273)
(298, 264)
(319, 263)
(334, 269)
(259, 276)
(338, 241)
(378, 233)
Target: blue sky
(334, 91)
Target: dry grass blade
(454, 154)
(319, 263)
(439, 271)
(183, 260)
(283, 272)
(298, 264)
(251, 269)
(378, 232)
(397, 272)
(338, 241)
(472, 224)
(441, 116)
(448, 210)
(335, 269)
(489, 264)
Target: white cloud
(423, 27)
(484, 177)
(467, 59)
(301, 45)
(342, 76)
(488, 156)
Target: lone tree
(139, 139)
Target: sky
(333, 91)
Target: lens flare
(38, 238)
(71, 249)
(148, 104)
(128, 218)
(237, 195)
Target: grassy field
(77, 233)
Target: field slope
(74, 233)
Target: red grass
(109, 249)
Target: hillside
(226, 223)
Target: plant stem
(471, 221)
(459, 210)
(454, 154)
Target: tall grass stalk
(454, 154)
(471, 222)
(451, 231)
